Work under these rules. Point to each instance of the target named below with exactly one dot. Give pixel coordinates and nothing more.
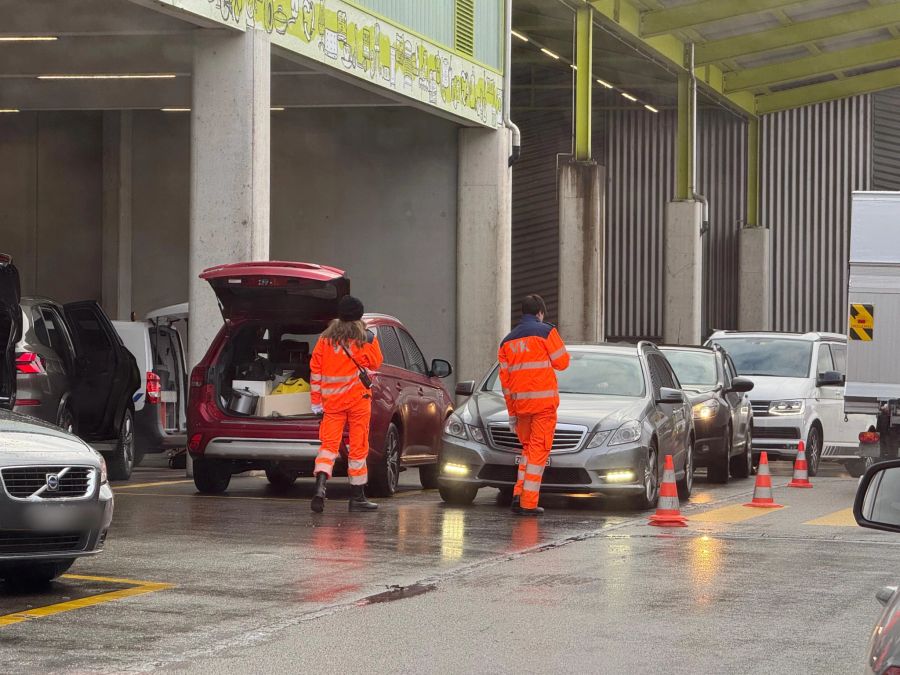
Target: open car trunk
(10, 329)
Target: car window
(839, 354)
(730, 371)
(655, 377)
(390, 347)
(92, 339)
(767, 356)
(824, 364)
(414, 357)
(665, 376)
(694, 368)
(592, 373)
(40, 328)
(59, 341)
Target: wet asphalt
(252, 581)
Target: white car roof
(815, 336)
(179, 311)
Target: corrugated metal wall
(489, 32)
(886, 140)
(811, 160)
(433, 19)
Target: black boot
(358, 501)
(318, 500)
(516, 505)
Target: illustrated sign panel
(343, 36)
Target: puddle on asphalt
(398, 593)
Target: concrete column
(116, 273)
(229, 165)
(755, 281)
(484, 249)
(581, 246)
(682, 311)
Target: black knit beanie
(350, 309)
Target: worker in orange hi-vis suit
(344, 354)
(529, 357)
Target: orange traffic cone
(668, 513)
(762, 493)
(801, 475)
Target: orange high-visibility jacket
(528, 358)
(335, 383)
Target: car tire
(650, 497)
(686, 484)
(505, 496)
(858, 467)
(813, 450)
(718, 470)
(34, 573)
(428, 475)
(384, 476)
(458, 495)
(66, 420)
(121, 461)
(212, 476)
(742, 465)
(280, 477)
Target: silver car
(621, 411)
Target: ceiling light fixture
(277, 108)
(8, 110)
(29, 38)
(605, 84)
(553, 56)
(175, 109)
(628, 96)
(573, 66)
(522, 37)
(111, 76)
(651, 108)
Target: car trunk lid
(275, 290)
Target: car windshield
(592, 373)
(765, 356)
(695, 370)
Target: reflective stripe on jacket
(335, 383)
(528, 357)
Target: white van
(798, 394)
(160, 404)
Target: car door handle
(421, 391)
(399, 386)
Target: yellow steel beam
(813, 66)
(829, 91)
(584, 31)
(801, 33)
(625, 20)
(670, 19)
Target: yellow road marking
(842, 518)
(729, 514)
(137, 588)
(131, 486)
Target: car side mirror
(466, 388)
(670, 396)
(877, 503)
(741, 385)
(441, 368)
(830, 378)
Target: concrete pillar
(229, 165)
(755, 281)
(683, 254)
(116, 273)
(581, 246)
(484, 249)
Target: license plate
(521, 460)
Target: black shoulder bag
(363, 375)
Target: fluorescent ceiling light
(29, 38)
(175, 109)
(523, 38)
(629, 96)
(111, 76)
(549, 53)
(277, 108)
(574, 67)
(605, 84)
(651, 108)
(8, 110)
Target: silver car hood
(26, 441)
(601, 412)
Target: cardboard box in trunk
(284, 405)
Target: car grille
(776, 432)
(503, 473)
(566, 438)
(17, 542)
(760, 408)
(31, 482)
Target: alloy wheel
(651, 476)
(689, 467)
(392, 460)
(813, 451)
(128, 441)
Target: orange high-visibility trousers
(536, 435)
(331, 432)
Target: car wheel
(212, 476)
(742, 465)
(719, 468)
(33, 574)
(650, 496)
(858, 467)
(505, 496)
(66, 420)
(686, 484)
(121, 462)
(384, 477)
(813, 451)
(280, 477)
(428, 475)
(458, 495)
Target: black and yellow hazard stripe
(862, 322)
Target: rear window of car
(768, 357)
(694, 369)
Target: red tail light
(153, 388)
(29, 363)
(194, 442)
(198, 376)
(870, 437)
(28, 402)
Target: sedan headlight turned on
(706, 409)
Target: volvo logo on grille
(52, 482)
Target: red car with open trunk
(274, 313)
